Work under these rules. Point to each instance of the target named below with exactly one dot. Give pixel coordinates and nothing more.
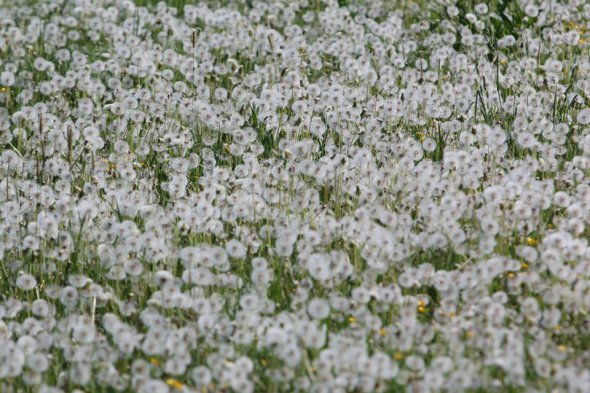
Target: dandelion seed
(26, 282)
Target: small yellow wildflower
(398, 356)
(155, 361)
(263, 362)
(420, 136)
(382, 332)
(421, 306)
(561, 348)
(351, 319)
(174, 383)
(524, 266)
(531, 241)
(510, 275)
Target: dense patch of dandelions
(294, 196)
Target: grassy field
(278, 196)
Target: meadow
(294, 196)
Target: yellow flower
(420, 136)
(531, 241)
(382, 332)
(398, 356)
(421, 306)
(263, 362)
(524, 266)
(155, 361)
(174, 383)
(561, 348)
(351, 319)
